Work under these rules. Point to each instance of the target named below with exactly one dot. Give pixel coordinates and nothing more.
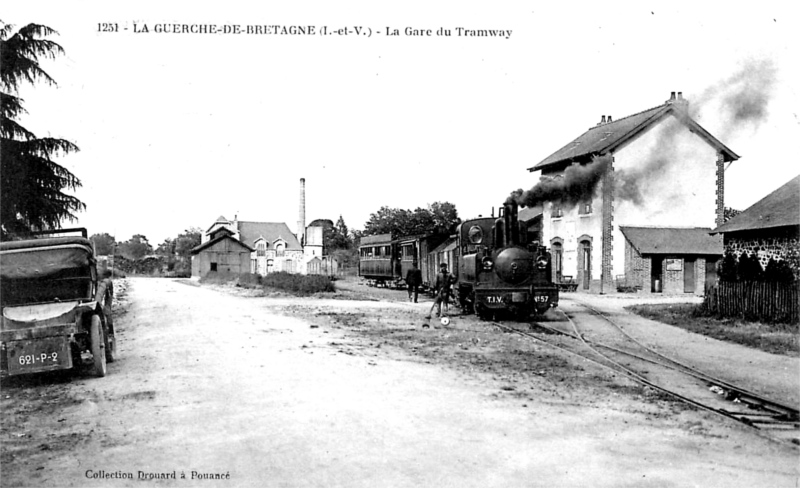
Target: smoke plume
(576, 184)
(742, 98)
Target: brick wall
(720, 189)
(635, 267)
(606, 279)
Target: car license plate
(47, 354)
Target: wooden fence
(755, 300)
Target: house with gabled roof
(221, 252)
(657, 168)
(274, 246)
(769, 229)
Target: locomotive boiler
(501, 270)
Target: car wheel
(98, 346)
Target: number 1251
(107, 27)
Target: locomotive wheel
(98, 345)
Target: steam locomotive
(499, 270)
(499, 267)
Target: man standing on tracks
(413, 280)
(442, 288)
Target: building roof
(672, 240)
(609, 136)
(778, 209)
(221, 220)
(321, 223)
(377, 238)
(250, 232)
(217, 239)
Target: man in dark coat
(413, 280)
(442, 288)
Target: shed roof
(250, 232)
(207, 244)
(672, 240)
(607, 137)
(778, 209)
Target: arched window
(279, 248)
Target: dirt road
(230, 391)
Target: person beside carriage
(442, 285)
(413, 280)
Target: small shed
(669, 260)
(223, 253)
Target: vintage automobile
(56, 312)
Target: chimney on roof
(301, 218)
(671, 98)
(609, 119)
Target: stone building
(770, 228)
(655, 168)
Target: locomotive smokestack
(301, 218)
(511, 224)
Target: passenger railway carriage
(384, 261)
(499, 264)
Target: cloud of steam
(743, 97)
(576, 184)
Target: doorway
(656, 271)
(558, 260)
(585, 264)
(688, 275)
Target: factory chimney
(301, 218)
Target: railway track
(622, 353)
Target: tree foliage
(338, 237)
(136, 247)
(185, 242)
(437, 218)
(729, 213)
(32, 185)
(104, 244)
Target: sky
(176, 129)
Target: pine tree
(32, 185)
